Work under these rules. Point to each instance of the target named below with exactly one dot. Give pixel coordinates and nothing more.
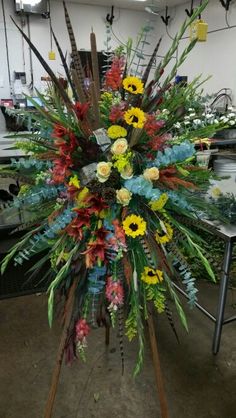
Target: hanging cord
(22, 21)
(31, 86)
(50, 23)
(6, 43)
(226, 19)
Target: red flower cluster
(96, 250)
(157, 143)
(116, 113)
(75, 229)
(113, 77)
(61, 169)
(152, 126)
(96, 204)
(81, 110)
(66, 142)
(81, 329)
(114, 292)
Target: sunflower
(133, 85)
(135, 117)
(165, 235)
(134, 226)
(116, 131)
(151, 276)
(159, 204)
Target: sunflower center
(134, 119)
(161, 233)
(151, 274)
(133, 227)
(132, 87)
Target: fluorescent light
(30, 2)
(150, 10)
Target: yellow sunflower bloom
(159, 204)
(135, 117)
(151, 276)
(134, 226)
(133, 85)
(165, 235)
(116, 131)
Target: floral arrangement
(112, 191)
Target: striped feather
(75, 55)
(65, 66)
(95, 68)
(170, 319)
(151, 61)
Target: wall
(83, 17)
(217, 56)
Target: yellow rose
(103, 171)
(151, 173)
(119, 147)
(123, 196)
(127, 173)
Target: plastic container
(226, 167)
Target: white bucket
(226, 167)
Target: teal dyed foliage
(142, 187)
(179, 200)
(30, 163)
(38, 241)
(173, 155)
(61, 222)
(96, 280)
(189, 283)
(37, 194)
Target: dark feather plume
(66, 68)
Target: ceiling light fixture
(151, 10)
(29, 2)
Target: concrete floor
(198, 384)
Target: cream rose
(119, 147)
(123, 196)
(103, 171)
(151, 173)
(127, 173)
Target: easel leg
(157, 367)
(222, 297)
(57, 369)
(107, 335)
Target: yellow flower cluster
(151, 276)
(134, 226)
(74, 181)
(159, 204)
(135, 117)
(133, 85)
(122, 161)
(166, 236)
(116, 131)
